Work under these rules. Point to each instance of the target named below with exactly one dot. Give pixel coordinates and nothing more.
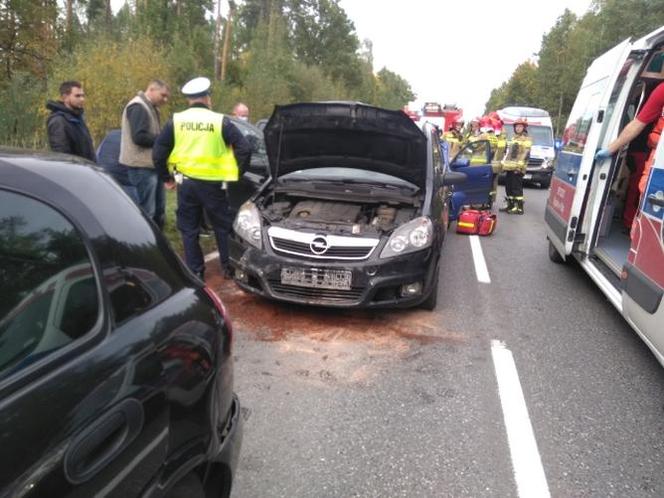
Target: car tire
(546, 183)
(554, 255)
(190, 486)
(431, 301)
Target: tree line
(263, 52)
(567, 50)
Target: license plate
(528, 176)
(317, 278)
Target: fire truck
(443, 116)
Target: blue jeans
(160, 206)
(195, 196)
(145, 180)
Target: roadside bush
(111, 73)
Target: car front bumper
(375, 283)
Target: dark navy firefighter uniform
(202, 151)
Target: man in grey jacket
(140, 127)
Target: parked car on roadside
(258, 170)
(355, 212)
(116, 374)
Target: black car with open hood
(354, 215)
(351, 135)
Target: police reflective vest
(516, 156)
(200, 151)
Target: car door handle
(656, 200)
(99, 443)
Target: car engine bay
(338, 218)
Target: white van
(587, 197)
(540, 130)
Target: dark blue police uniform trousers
(194, 196)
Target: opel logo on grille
(319, 245)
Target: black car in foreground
(116, 373)
(355, 212)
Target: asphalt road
(407, 403)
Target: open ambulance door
(643, 275)
(580, 140)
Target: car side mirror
(461, 162)
(454, 178)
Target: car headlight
(547, 164)
(247, 224)
(413, 236)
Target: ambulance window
(615, 94)
(581, 117)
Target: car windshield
(541, 135)
(253, 134)
(350, 175)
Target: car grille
(338, 247)
(304, 249)
(535, 163)
(330, 295)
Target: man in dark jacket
(67, 131)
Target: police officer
(201, 151)
(514, 164)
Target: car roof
(82, 191)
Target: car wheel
(190, 486)
(546, 182)
(554, 255)
(432, 300)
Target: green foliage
(568, 49)
(111, 74)
(521, 89)
(282, 51)
(22, 112)
(392, 91)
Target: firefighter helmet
(521, 121)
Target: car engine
(340, 218)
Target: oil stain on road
(269, 321)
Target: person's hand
(169, 185)
(602, 154)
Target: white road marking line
(526, 462)
(211, 256)
(481, 270)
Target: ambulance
(540, 129)
(588, 198)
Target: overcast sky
(455, 51)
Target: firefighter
(454, 137)
(499, 154)
(474, 129)
(201, 151)
(514, 164)
(483, 152)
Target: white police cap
(198, 87)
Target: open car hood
(345, 134)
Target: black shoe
(228, 272)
